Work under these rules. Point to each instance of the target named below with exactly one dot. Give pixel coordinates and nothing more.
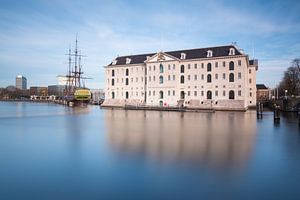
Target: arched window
(209, 78)
(181, 79)
(231, 94)
(231, 65)
(209, 94)
(127, 81)
(112, 82)
(161, 94)
(231, 77)
(127, 95)
(161, 79)
(182, 69)
(161, 68)
(113, 72)
(113, 95)
(182, 94)
(209, 67)
(127, 72)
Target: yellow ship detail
(82, 94)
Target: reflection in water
(221, 139)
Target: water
(53, 152)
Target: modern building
(56, 90)
(221, 78)
(262, 92)
(21, 82)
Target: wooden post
(276, 113)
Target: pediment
(160, 57)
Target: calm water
(54, 152)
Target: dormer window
(128, 60)
(147, 58)
(182, 56)
(114, 62)
(209, 53)
(231, 52)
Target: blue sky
(35, 35)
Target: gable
(161, 56)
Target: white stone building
(221, 78)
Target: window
(153, 93)
(114, 62)
(209, 78)
(189, 77)
(113, 95)
(161, 94)
(127, 95)
(224, 76)
(169, 67)
(169, 92)
(189, 66)
(161, 79)
(153, 78)
(169, 77)
(149, 93)
(195, 93)
(249, 71)
(240, 93)
(153, 67)
(113, 72)
(182, 56)
(224, 63)
(239, 62)
(202, 93)
(112, 82)
(173, 92)
(216, 64)
(209, 53)
(173, 66)
(202, 65)
(182, 95)
(250, 80)
(231, 94)
(224, 93)
(131, 80)
(239, 75)
(195, 77)
(149, 68)
(189, 93)
(216, 76)
(209, 67)
(161, 68)
(216, 93)
(209, 94)
(195, 66)
(173, 77)
(182, 79)
(149, 78)
(202, 76)
(231, 65)
(182, 69)
(136, 79)
(250, 94)
(231, 52)
(127, 72)
(231, 77)
(127, 81)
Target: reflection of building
(56, 90)
(217, 77)
(38, 91)
(262, 92)
(21, 82)
(221, 139)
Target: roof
(261, 87)
(219, 51)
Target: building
(262, 92)
(21, 82)
(38, 91)
(97, 96)
(56, 90)
(221, 78)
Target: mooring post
(276, 113)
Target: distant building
(97, 96)
(56, 90)
(262, 92)
(21, 82)
(221, 78)
(38, 91)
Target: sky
(35, 34)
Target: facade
(221, 78)
(56, 90)
(21, 82)
(262, 93)
(38, 91)
(97, 96)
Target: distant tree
(291, 79)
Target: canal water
(49, 151)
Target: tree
(291, 79)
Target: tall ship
(75, 93)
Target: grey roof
(261, 86)
(190, 54)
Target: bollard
(276, 113)
(259, 110)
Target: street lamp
(285, 94)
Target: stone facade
(221, 78)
